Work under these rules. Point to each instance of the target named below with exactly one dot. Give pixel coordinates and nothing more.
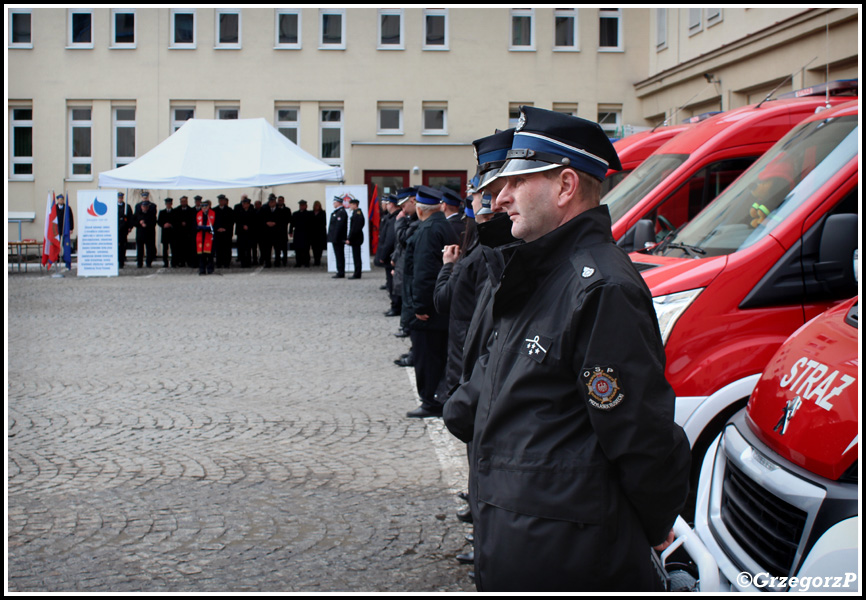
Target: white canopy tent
(209, 154)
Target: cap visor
(518, 166)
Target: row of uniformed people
(262, 231)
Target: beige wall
(478, 77)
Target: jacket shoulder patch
(603, 388)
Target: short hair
(427, 207)
(588, 187)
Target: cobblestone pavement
(238, 432)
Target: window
(21, 122)
(227, 112)
(695, 22)
(661, 28)
(566, 108)
(522, 29)
(228, 28)
(435, 119)
(333, 29)
(122, 28)
(565, 29)
(80, 28)
(455, 180)
(514, 112)
(331, 135)
(124, 135)
(435, 29)
(287, 122)
(609, 118)
(390, 118)
(182, 28)
(609, 29)
(180, 115)
(20, 33)
(288, 29)
(714, 16)
(80, 143)
(390, 29)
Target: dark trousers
(166, 248)
(317, 254)
(302, 254)
(431, 353)
(205, 263)
(145, 248)
(245, 248)
(281, 248)
(340, 256)
(356, 258)
(223, 247)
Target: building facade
(394, 96)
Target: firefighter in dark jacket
(578, 468)
(355, 238)
(224, 226)
(338, 231)
(301, 230)
(428, 328)
(144, 220)
(245, 223)
(385, 250)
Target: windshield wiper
(693, 251)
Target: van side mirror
(835, 266)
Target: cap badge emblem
(587, 272)
(521, 121)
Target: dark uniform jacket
(386, 240)
(148, 230)
(356, 228)
(423, 263)
(338, 229)
(577, 465)
(459, 286)
(301, 228)
(244, 218)
(165, 217)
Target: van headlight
(670, 307)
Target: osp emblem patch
(603, 388)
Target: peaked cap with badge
(544, 139)
(490, 153)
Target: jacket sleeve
(427, 263)
(635, 424)
(444, 287)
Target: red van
(770, 253)
(685, 174)
(632, 150)
(777, 502)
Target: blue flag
(67, 241)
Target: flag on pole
(51, 242)
(67, 241)
(373, 213)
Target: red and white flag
(51, 243)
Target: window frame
(115, 45)
(175, 124)
(226, 107)
(611, 13)
(219, 45)
(332, 11)
(280, 124)
(71, 44)
(72, 159)
(116, 160)
(438, 106)
(15, 124)
(435, 12)
(695, 21)
(11, 30)
(522, 13)
(390, 12)
(610, 129)
(287, 45)
(713, 18)
(334, 162)
(173, 44)
(397, 106)
(567, 13)
(661, 29)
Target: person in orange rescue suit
(204, 221)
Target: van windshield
(641, 182)
(765, 195)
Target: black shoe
(467, 558)
(338, 276)
(465, 515)
(404, 362)
(355, 277)
(402, 334)
(463, 496)
(423, 413)
(470, 537)
(383, 287)
(392, 313)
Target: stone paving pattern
(243, 431)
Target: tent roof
(213, 154)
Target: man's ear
(568, 181)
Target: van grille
(763, 524)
